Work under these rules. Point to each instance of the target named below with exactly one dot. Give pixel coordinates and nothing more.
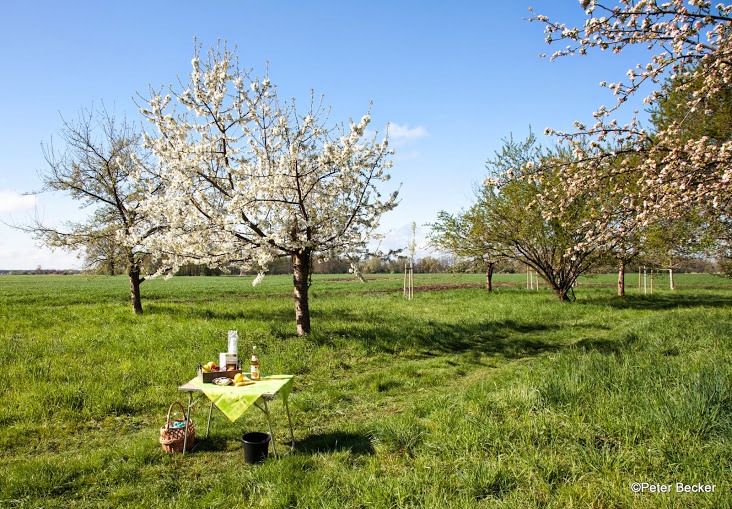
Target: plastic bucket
(256, 446)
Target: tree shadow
(336, 441)
(607, 345)
(660, 302)
(275, 317)
(211, 443)
(507, 338)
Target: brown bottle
(254, 365)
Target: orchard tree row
(226, 174)
(612, 191)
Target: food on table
(210, 366)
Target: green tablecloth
(234, 401)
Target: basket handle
(170, 409)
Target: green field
(457, 398)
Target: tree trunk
(300, 273)
(621, 279)
(489, 276)
(561, 294)
(561, 288)
(134, 274)
(671, 279)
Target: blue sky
(452, 78)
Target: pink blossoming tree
(668, 172)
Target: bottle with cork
(254, 365)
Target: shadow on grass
(207, 445)
(334, 442)
(314, 444)
(220, 442)
(606, 345)
(664, 301)
(383, 331)
(277, 316)
(507, 338)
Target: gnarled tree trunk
(560, 286)
(562, 293)
(300, 274)
(621, 279)
(489, 276)
(135, 281)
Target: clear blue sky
(453, 78)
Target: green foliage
(509, 220)
(96, 168)
(706, 229)
(455, 399)
(711, 119)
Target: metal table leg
(269, 425)
(191, 402)
(265, 410)
(208, 424)
(289, 421)
(188, 417)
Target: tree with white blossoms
(95, 167)
(670, 173)
(247, 178)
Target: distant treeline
(374, 265)
(40, 271)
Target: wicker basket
(172, 439)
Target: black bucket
(256, 446)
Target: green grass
(457, 398)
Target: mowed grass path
(455, 399)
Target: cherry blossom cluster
(649, 176)
(246, 178)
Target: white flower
(258, 279)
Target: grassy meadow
(458, 398)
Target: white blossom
(258, 279)
(247, 179)
(688, 40)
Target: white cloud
(10, 201)
(404, 156)
(20, 252)
(402, 133)
(400, 237)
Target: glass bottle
(254, 365)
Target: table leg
(269, 424)
(208, 424)
(188, 416)
(289, 421)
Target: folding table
(234, 401)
